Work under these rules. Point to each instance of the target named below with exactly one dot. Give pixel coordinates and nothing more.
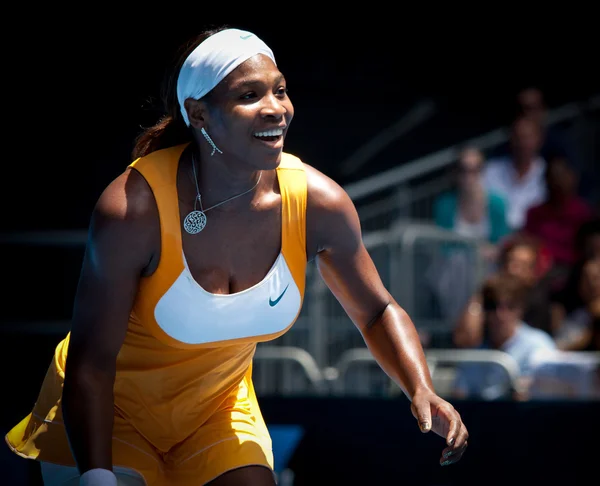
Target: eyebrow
(253, 82)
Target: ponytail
(171, 129)
(168, 132)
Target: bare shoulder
(332, 219)
(323, 191)
(128, 197)
(122, 242)
(125, 217)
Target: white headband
(214, 59)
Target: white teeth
(270, 133)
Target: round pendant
(194, 222)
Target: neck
(219, 180)
(499, 338)
(472, 205)
(558, 200)
(523, 164)
(471, 196)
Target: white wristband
(98, 477)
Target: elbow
(89, 379)
(463, 339)
(377, 317)
(389, 310)
(85, 388)
(460, 339)
(392, 318)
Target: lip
(272, 127)
(275, 144)
(267, 129)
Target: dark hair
(519, 240)
(519, 119)
(454, 169)
(586, 231)
(504, 285)
(170, 130)
(557, 158)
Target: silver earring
(210, 141)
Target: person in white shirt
(504, 300)
(519, 176)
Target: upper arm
(122, 239)
(333, 230)
(490, 174)
(530, 220)
(441, 208)
(499, 216)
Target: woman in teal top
(468, 209)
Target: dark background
(81, 81)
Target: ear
(196, 111)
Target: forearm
(88, 410)
(395, 344)
(468, 331)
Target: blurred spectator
(567, 297)
(519, 176)
(563, 140)
(504, 298)
(578, 331)
(556, 221)
(555, 142)
(594, 341)
(519, 257)
(530, 103)
(587, 240)
(559, 375)
(469, 209)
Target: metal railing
(565, 375)
(416, 262)
(324, 353)
(554, 374)
(407, 191)
(289, 371)
(408, 254)
(357, 373)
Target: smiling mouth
(268, 139)
(269, 135)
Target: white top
(190, 314)
(500, 176)
(479, 230)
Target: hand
(489, 252)
(434, 413)
(594, 307)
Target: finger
(453, 430)
(451, 455)
(461, 438)
(454, 451)
(421, 410)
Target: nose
(273, 107)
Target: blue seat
(285, 439)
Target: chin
(269, 162)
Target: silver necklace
(195, 221)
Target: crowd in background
(536, 216)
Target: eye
(248, 96)
(282, 91)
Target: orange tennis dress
(185, 406)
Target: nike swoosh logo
(272, 302)
(244, 37)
